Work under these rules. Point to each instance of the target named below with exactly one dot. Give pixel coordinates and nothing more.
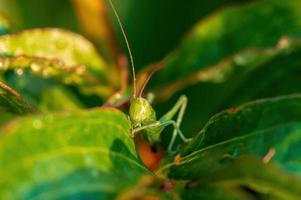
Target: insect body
(143, 116)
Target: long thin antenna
(145, 83)
(158, 67)
(128, 47)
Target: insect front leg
(162, 123)
(180, 107)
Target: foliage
(62, 138)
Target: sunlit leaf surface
(59, 54)
(87, 154)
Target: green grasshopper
(141, 113)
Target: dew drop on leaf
(35, 67)
(19, 71)
(37, 124)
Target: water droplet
(3, 63)
(48, 72)
(35, 67)
(283, 42)
(72, 79)
(240, 59)
(37, 124)
(19, 71)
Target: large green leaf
(58, 98)
(269, 127)
(248, 75)
(70, 48)
(83, 155)
(260, 24)
(266, 178)
(54, 56)
(272, 182)
(213, 192)
(250, 120)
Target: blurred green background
(154, 27)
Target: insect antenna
(157, 67)
(128, 47)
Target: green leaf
(52, 43)
(44, 94)
(59, 54)
(87, 154)
(268, 179)
(255, 119)
(213, 192)
(262, 73)
(59, 98)
(260, 24)
(269, 127)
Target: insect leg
(162, 123)
(166, 120)
(181, 107)
(137, 130)
(181, 104)
(174, 133)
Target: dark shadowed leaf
(213, 192)
(249, 75)
(260, 24)
(35, 13)
(84, 155)
(258, 118)
(11, 101)
(269, 130)
(12, 104)
(272, 182)
(155, 27)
